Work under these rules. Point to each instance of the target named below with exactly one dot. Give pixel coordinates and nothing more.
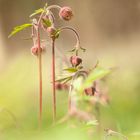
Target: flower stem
(69, 98)
(53, 7)
(77, 46)
(53, 80)
(40, 78)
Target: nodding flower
(75, 61)
(66, 13)
(35, 50)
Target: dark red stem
(40, 78)
(53, 80)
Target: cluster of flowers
(44, 19)
(65, 13)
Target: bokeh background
(109, 30)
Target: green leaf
(64, 79)
(47, 22)
(38, 11)
(19, 28)
(71, 70)
(94, 75)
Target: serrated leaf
(47, 22)
(71, 70)
(19, 28)
(38, 11)
(94, 75)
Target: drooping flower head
(75, 61)
(35, 50)
(66, 13)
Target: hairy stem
(53, 80)
(40, 77)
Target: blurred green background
(109, 30)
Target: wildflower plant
(81, 83)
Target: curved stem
(53, 80)
(76, 35)
(40, 77)
(53, 7)
(50, 13)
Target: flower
(66, 13)
(35, 50)
(75, 61)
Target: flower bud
(58, 86)
(51, 32)
(75, 60)
(66, 13)
(90, 91)
(35, 50)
